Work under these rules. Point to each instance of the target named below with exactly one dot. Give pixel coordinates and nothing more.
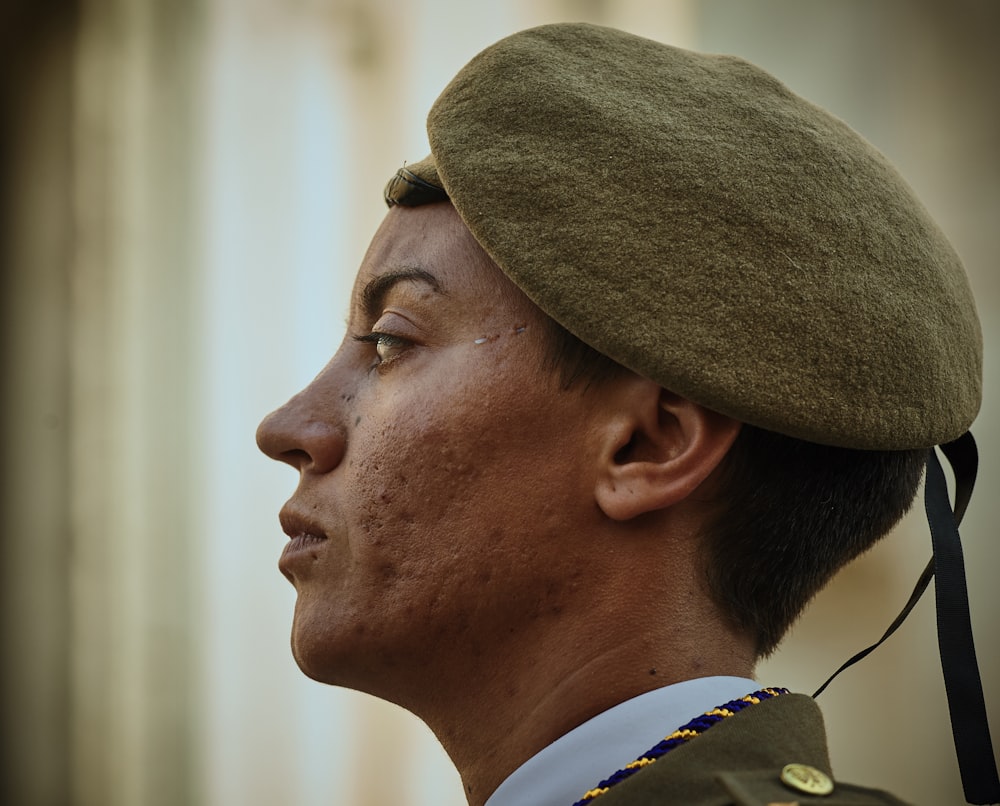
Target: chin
(313, 648)
(317, 664)
(323, 655)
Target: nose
(302, 436)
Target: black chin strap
(958, 652)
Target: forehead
(433, 239)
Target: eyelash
(379, 339)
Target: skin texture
(503, 557)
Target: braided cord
(682, 735)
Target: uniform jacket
(738, 762)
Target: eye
(387, 346)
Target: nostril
(295, 457)
(278, 437)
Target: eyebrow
(375, 291)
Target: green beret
(690, 217)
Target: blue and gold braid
(682, 735)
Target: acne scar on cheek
(517, 330)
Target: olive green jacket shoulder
(739, 762)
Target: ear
(659, 448)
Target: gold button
(803, 778)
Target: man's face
(443, 472)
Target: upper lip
(294, 524)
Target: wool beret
(690, 217)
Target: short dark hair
(789, 513)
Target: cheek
(414, 479)
(431, 456)
(451, 490)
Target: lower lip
(300, 544)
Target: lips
(304, 534)
(300, 543)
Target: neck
(497, 716)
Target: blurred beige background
(186, 188)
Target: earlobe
(659, 450)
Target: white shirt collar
(561, 773)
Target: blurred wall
(36, 222)
(187, 189)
